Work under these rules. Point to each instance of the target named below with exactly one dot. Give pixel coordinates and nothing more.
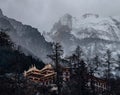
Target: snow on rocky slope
(93, 33)
(90, 31)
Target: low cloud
(43, 13)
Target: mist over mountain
(29, 38)
(93, 33)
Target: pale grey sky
(42, 14)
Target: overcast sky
(42, 14)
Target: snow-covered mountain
(93, 33)
(29, 38)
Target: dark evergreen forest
(12, 59)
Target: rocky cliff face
(1, 14)
(27, 37)
(93, 33)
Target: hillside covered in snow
(93, 33)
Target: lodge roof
(37, 71)
(48, 66)
(97, 79)
(33, 68)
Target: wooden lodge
(99, 84)
(44, 76)
(47, 76)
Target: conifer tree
(56, 57)
(79, 76)
(109, 61)
(92, 70)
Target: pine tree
(56, 57)
(83, 77)
(78, 53)
(79, 73)
(108, 60)
(118, 62)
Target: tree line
(78, 84)
(12, 60)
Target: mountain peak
(67, 15)
(66, 20)
(1, 13)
